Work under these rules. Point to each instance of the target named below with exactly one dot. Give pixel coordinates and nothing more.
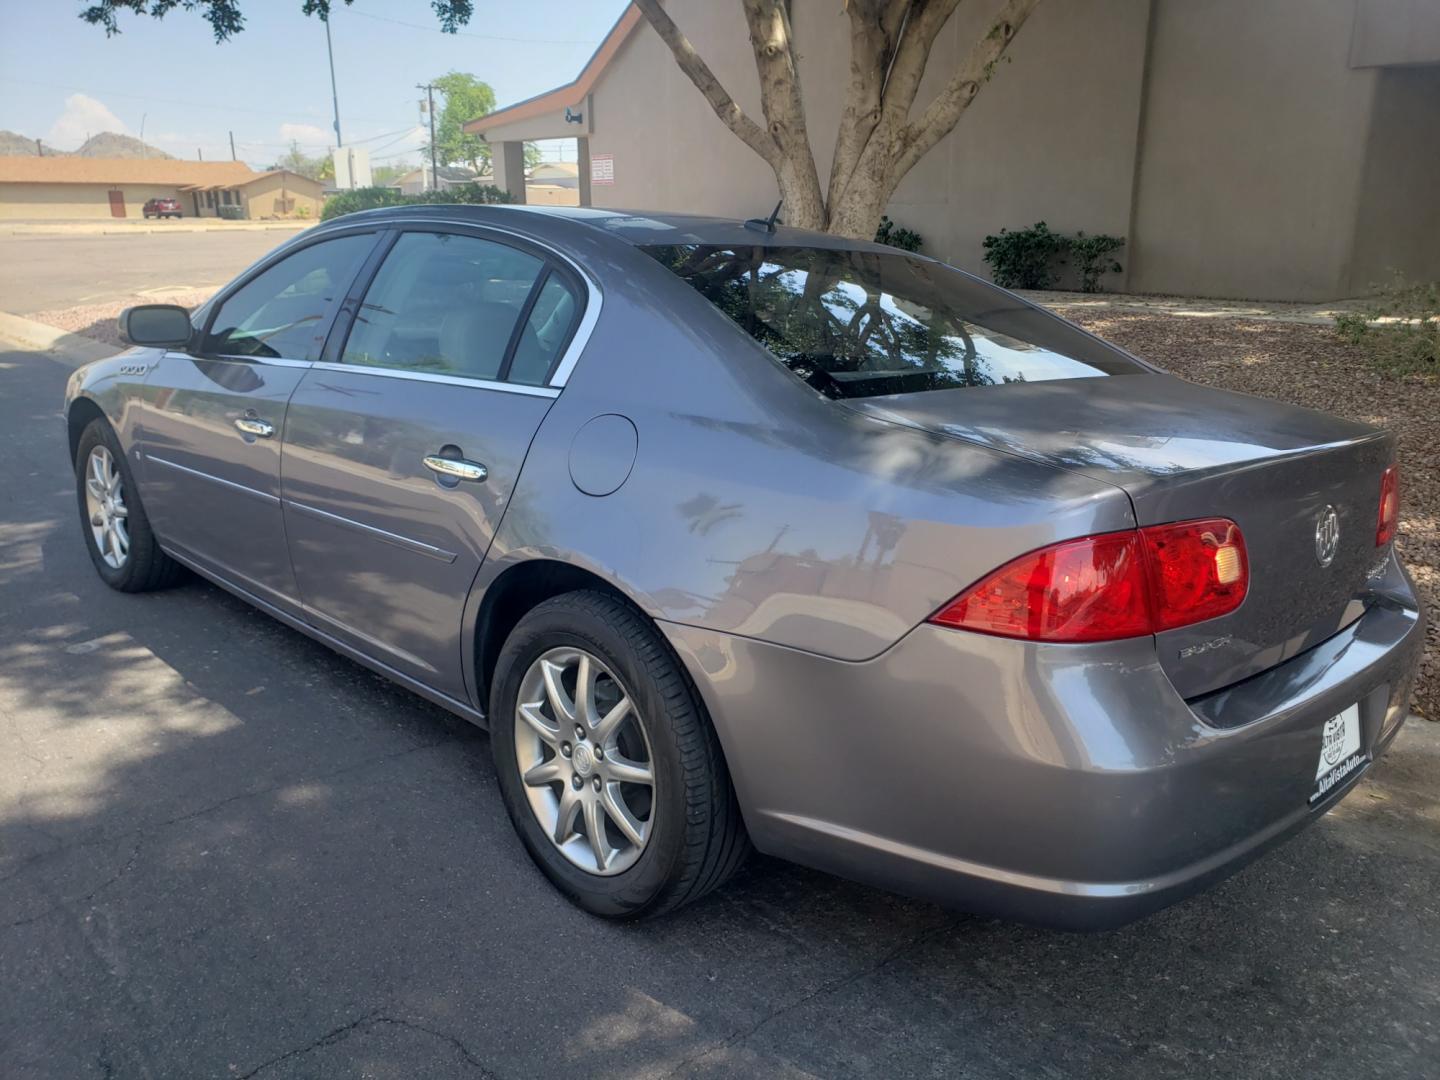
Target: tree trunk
(878, 143)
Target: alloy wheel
(105, 508)
(585, 761)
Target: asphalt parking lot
(227, 852)
(38, 271)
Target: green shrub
(1400, 330)
(1094, 257)
(371, 198)
(1029, 258)
(1024, 259)
(897, 235)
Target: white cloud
(308, 135)
(83, 116)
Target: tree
(879, 139)
(466, 97)
(297, 161)
(533, 156)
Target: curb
(27, 335)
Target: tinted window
(546, 332)
(282, 311)
(448, 304)
(862, 323)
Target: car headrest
(473, 338)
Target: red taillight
(1198, 571)
(1389, 506)
(1115, 585)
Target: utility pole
(142, 134)
(429, 89)
(232, 147)
(334, 94)
(199, 155)
(39, 150)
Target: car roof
(636, 228)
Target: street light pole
(429, 89)
(334, 94)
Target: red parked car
(162, 208)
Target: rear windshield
(865, 323)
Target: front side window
(854, 323)
(449, 304)
(281, 312)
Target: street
(227, 852)
(38, 271)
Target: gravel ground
(1303, 364)
(98, 320)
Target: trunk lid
(1185, 451)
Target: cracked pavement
(227, 852)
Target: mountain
(16, 145)
(110, 145)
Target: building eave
(573, 92)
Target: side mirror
(163, 326)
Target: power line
(470, 33)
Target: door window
(282, 312)
(449, 304)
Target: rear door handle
(455, 468)
(250, 425)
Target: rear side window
(282, 311)
(865, 323)
(450, 304)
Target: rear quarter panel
(757, 507)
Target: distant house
(447, 176)
(564, 174)
(78, 187)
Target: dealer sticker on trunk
(1340, 753)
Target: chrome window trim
(593, 301)
(417, 546)
(432, 377)
(262, 495)
(272, 361)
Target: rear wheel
(117, 532)
(609, 768)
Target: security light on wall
(573, 117)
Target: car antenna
(765, 225)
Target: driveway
(227, 852)
(38, 272)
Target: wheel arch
(517, 589)
(80, 414)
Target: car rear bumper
(1066, 785)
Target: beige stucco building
(1266, 149)
(54, 188)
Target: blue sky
(61, 77)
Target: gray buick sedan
(740, 535)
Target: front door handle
(250, 425)
(455, 468)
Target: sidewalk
(133, 226)
(1073, 303)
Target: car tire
(694, 838)
(143, 566)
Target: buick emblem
(1327, 536)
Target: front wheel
(610, 770)
(117, 533)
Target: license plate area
(1341, 754)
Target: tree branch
(939, 119)
(874, 25)
(773, 44)
(733, 117)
